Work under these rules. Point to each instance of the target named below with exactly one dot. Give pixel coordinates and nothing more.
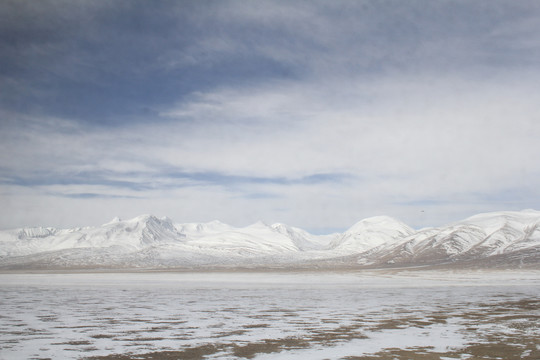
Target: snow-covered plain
(271, 315)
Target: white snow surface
(491, 239)
(370, 233)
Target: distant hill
(491, 240)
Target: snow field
(266, 315)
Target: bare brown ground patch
(102, 336)
(407, 322)
(230, 333)
(419, 353)
(191, 353)
(256, 326)
(140, 339)
(48, 318)
(487, 351)
(73, 342)
(250, 350)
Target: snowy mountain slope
(257, 239)
(508, 231)
(122, 236)
(478, 237)
(303, 240)
(371, 233)
(194, 230)
(489, 240)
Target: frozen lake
(302, 315)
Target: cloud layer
(315, 114)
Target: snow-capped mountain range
(492, 240)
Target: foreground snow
(501, 239)
(307, 315)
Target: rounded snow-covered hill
(506, 237)
(371, 233)
(501, 239)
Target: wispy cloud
(306, 112)
(94, 196)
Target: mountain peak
(259, 224)
(501, 239)
(384, 223)
(144, 218)
(370, 233)
(115, 220)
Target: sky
(316, 114)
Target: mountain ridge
(497, 239)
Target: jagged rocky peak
(35, 232)
(493, 240)
(147, 229)
(149, 220)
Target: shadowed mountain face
(492, 240)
